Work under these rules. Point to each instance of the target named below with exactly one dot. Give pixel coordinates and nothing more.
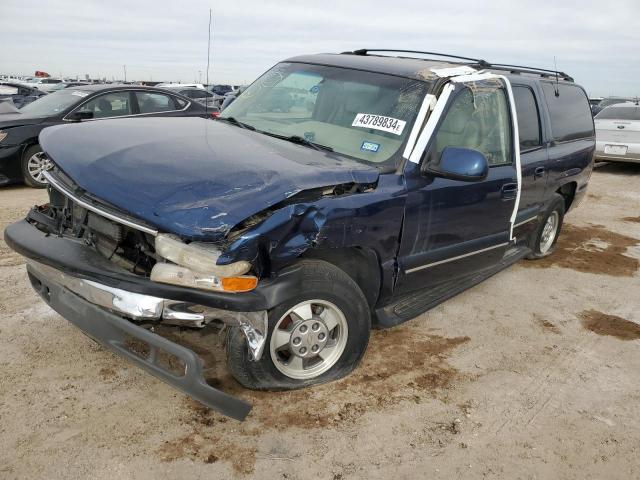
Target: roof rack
(364, 51)
(481, 63)
(540, 71)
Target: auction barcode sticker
(379, 122)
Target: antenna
(206, 104)
(555, 65)
(209, 47)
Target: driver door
(453, 228)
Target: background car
(231, 96)
(607, 102)
(65, 84)
(19, 93)
(593, 103)
(199, 95)
(21, 157)
(618, 133)
(221, 90)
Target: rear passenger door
(533, 157)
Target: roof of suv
(414, 67)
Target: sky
(594, 41)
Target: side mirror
(463, 164)
(79, 116)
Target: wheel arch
(360, 264)
(568, 192)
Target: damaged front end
(103, 271)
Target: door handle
(538, 172)
(509, 191)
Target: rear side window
(155, 102)
(619, 113)
(200, 94)
(569, 111)
(528, 117)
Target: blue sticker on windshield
(370, 147)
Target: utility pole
(124, 67)
(209, 47)
(200, 76)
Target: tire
(326, 286)
(542, 244)
(32, 167)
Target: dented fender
(371, 220)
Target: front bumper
(124, 338)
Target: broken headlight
(195, 267)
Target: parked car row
(21, 156)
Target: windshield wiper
(235, 121)
(303, 141)
(300, 141)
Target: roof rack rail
(481, 63)
(523, 69)
(364, 51)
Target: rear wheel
(317, 336)
(34, 164)
(544, 242)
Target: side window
(478, 119)
(569, 111)
(528, 118)
(108, 105)
(149, 102)
(200, 94)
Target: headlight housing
(3, 135)
(196, 267)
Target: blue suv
(338, 193)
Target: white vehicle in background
(618, 133)
(181, 85)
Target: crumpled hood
(193, 177)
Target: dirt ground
(532, 374)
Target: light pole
(124, 67)
(200, 76)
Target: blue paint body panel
(191, 176)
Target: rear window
(528, 117)
(569, 111)
(619, 113)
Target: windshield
(619, 113)
(364, 115)
(54, 103)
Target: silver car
(618, 133)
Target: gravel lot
(532, 374)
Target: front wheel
(317, 336)
(34, 164)
(544, 242)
